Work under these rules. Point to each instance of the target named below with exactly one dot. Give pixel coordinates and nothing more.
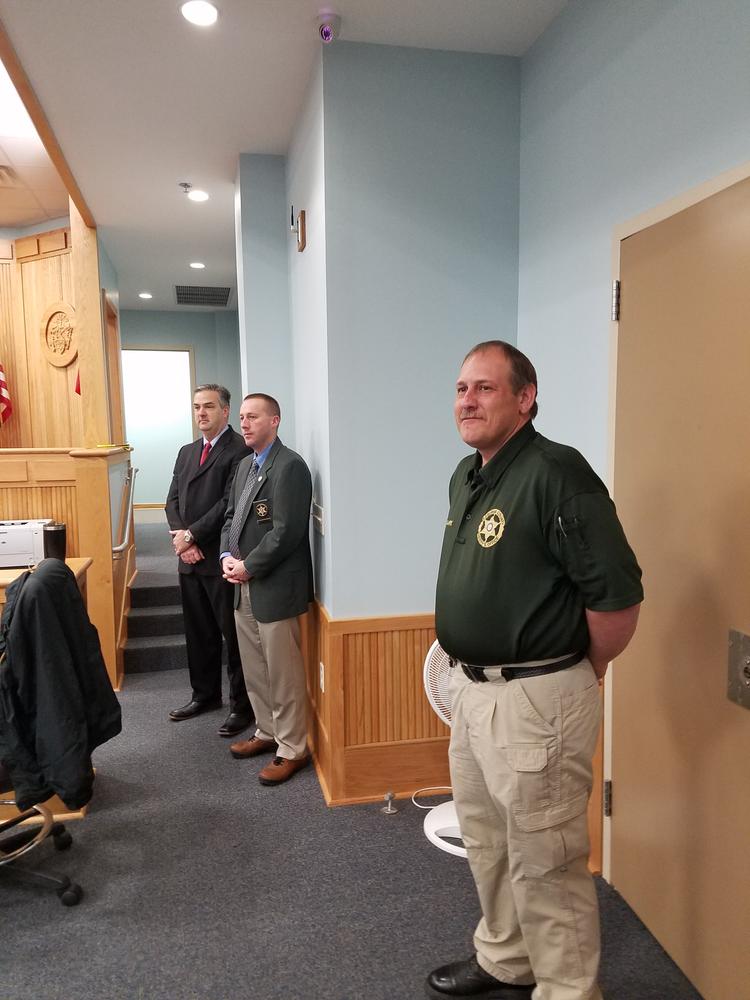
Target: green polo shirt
(532, 540)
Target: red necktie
(206, 450)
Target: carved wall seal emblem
(58, 330)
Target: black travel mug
(54, 540)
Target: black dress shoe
(235, 723)
(468, 979)
(193, 708)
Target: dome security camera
(329, 26)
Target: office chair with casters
(15, 845)
(56, 707)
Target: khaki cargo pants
(520, 757)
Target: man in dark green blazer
(265, 551)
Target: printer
(22, 542)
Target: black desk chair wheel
(15, 845)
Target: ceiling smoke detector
(329, 26)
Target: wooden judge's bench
(62, 450)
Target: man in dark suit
(195, 508)
(265, 547)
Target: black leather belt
(477, 674)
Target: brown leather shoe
(251, 747)
(280, 769)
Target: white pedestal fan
(441, 821)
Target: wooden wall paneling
(58, 502)
(17, 430)
(91, 359)
(54, 240)
(47, 471)
(95, 533)
(15, 472)
(27, 246)
(75, 406)
(21, 358)
(402, 768)
(113, 352)
(383, 693)
(44, 280)
(335, 689)
(10, 431)
(372, 727)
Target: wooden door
(681, 749)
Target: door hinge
(615, 300)
(607, 798)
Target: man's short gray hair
(224, 393)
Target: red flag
(78, 382)
(6, 407)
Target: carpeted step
(148, 621)
(159, 591)
(155, 652)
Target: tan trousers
(275, 677)
(520, 757)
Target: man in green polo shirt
(537, 591)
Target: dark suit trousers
(208, 608)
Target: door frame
(650, 217)
(186, 348)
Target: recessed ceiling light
(199, 12)
(145, 295)
(197, 265)
(197, 195)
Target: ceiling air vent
(201, 295)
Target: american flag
(6, 407)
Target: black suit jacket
(275, 536)
(56, 701)
(198, 495)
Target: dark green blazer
(275, 536)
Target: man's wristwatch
(188, 537)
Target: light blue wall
(623, 106)
(214, 339)
(262, 236)
(38, 227)
(308, 309)
(421, 213)
(107, 275)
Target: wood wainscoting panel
(371, 727)
(55, 408)
(27, 246)
(13, 360)
(383, 691)
(14, 472)
(48, 470)
(58, 502)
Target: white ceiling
(140, 100)
(30, 187)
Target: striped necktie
(241, 510)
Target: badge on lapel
(262, 510)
